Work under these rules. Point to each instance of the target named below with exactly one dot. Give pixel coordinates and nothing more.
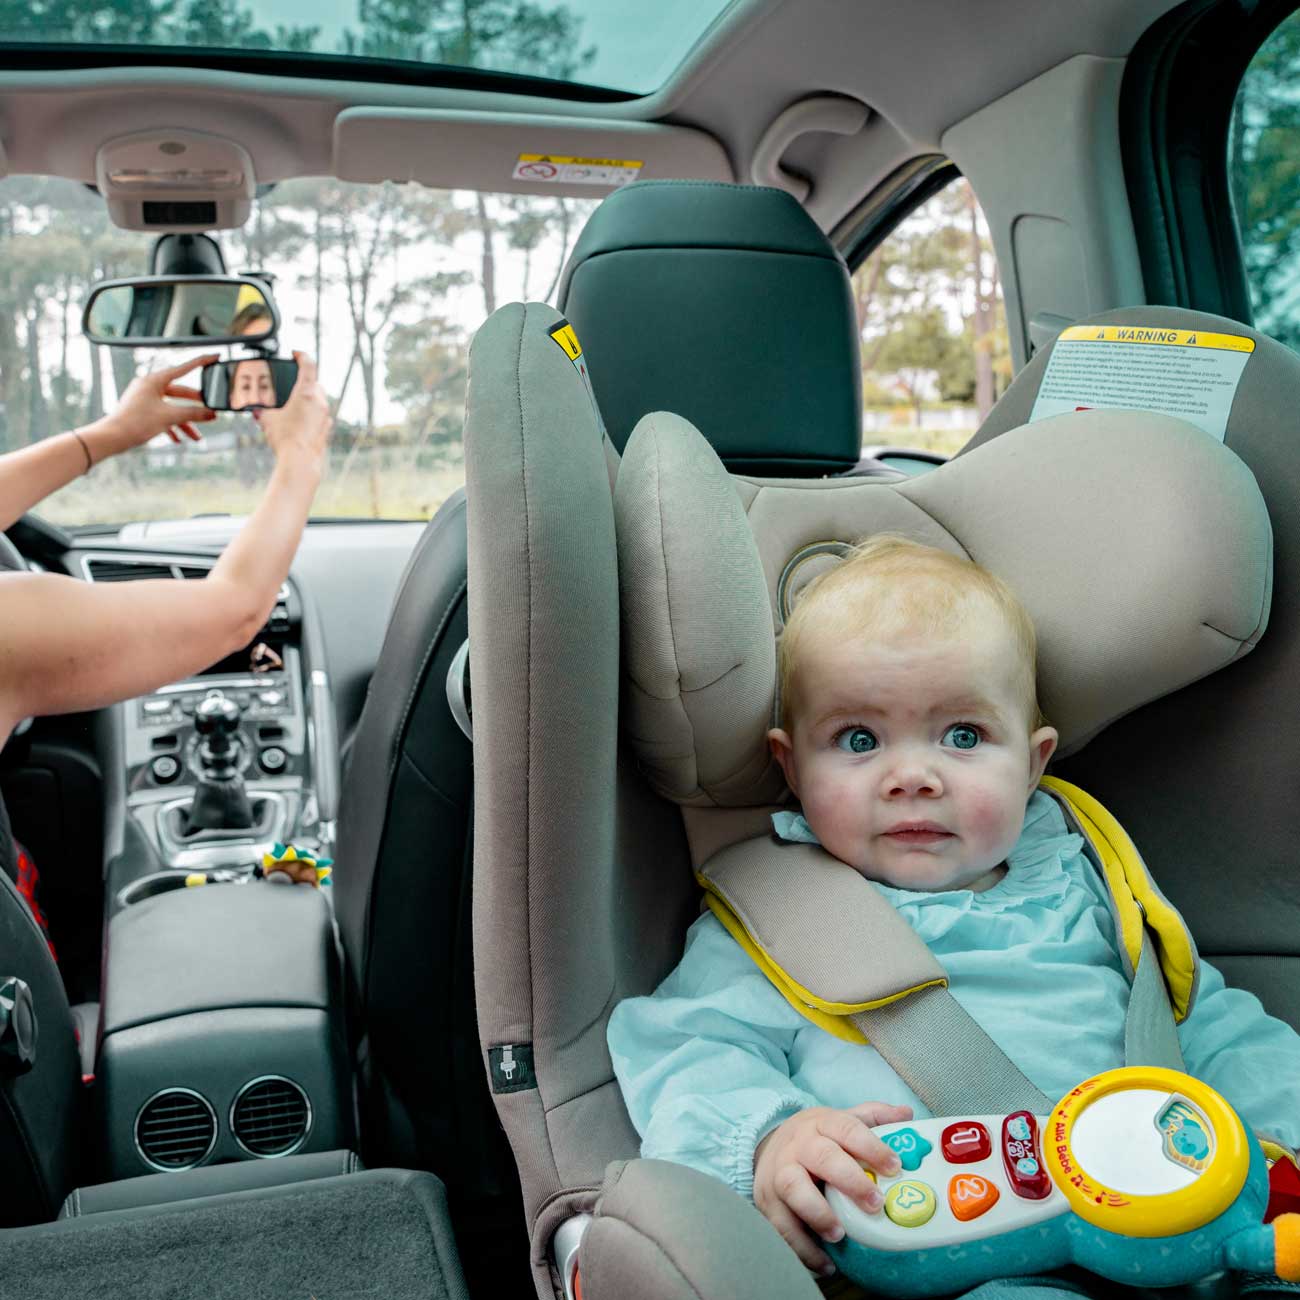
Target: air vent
(125, 570)
(190, 571)
(270, 1117)
(176, 1129)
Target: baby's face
(912, 757)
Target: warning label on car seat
(1185, 373)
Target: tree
(929, 308)
(427, 373)
(1264, 134)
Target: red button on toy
(969, 1196)
(1021, 1158)
(965, 1142)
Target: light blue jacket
(716, 1057)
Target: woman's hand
(299, 430)
(148, 408)
(829, 1146)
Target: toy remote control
(1145, 1176)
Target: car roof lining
(758, 58)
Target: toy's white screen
(1116, 1141)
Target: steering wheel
(11, 560)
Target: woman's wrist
(102, 438)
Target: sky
(627, 34)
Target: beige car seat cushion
(1044, 507)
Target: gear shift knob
(216, 720)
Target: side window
(935, 354)
(1264, 173)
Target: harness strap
(841, 955)
(1150, 1032)
(937, 1048)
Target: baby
(912, 738)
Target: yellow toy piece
(1219, 1157)
(301, 867)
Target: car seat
(402, 894)
(582, 871)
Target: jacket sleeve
(703, 1063)
(1230, 1042)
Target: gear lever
(220, 801)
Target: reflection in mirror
(250, 383)
(176, 311)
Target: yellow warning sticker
(1156, 335)
(564, 335)
(1191, 375)
(566, 169)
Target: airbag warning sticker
(1185, 373)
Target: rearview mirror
(179, 311)
(250, 383)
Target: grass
(380, 483)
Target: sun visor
(518, 153)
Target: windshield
(621, 45)
(385, 285)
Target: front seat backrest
(726, 304)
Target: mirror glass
(250, 383)
(179, 311)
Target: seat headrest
(1139, 544)
(726, 304)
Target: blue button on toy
(909, 1146)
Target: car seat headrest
(1140, 546)
(726, 304)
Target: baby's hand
(829, 1145)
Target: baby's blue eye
(961, 736)
(856, 740)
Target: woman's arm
(30, 475)
(67, 645)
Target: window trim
(890, 204)
(1176, 107)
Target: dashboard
(88, 794)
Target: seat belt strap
(1150, 1032)
(938, 1049)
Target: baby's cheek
(992, 819)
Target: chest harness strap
(840, 954)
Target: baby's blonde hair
(888, 584)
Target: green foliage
(1265, 171)
(505, 35)
(929, 312)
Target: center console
(221, 1033)
(258, 724)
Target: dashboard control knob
(18, 1028)
(272, 759)
(165, 768)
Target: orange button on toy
(969, 1196)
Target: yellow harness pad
(1126, 877)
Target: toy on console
(1142, 1175)
(286, 864)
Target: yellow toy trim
(1135, 894)
(1130, 1214)
(830, 1016)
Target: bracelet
(89, 460)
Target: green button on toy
(910, 1204)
